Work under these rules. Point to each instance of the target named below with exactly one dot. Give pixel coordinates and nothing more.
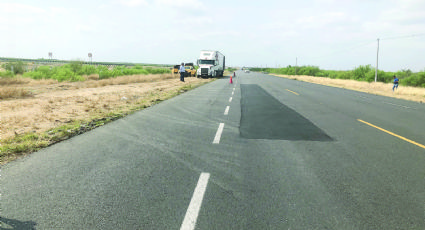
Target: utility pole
(376, 69)
(296, 64)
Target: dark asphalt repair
(273, 120)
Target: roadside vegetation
(17, 73)
(231, 69)
(74, 71)
(360, 73)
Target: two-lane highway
(261, 153)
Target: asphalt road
(262, 153)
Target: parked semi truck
(211, 64)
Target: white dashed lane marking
(218, 134)
(226, 112)
(192, 212)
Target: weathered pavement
(291, 155)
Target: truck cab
(211, 64)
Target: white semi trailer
(211, 64)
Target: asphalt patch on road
(265, 117)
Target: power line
(363, 44)
(366, 43)
(343, 50)
(403, 36)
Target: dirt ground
(51, 104)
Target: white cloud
(17, 8)
(18, 15)
(192, 22)
(188, 4)
(133, 3)
(58, 10)
(326, 20)
(404, 17)
(410, 12)
(83, 28)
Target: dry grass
(19, 87)
(58, 111)
(13, 92)
(93, 82)
(53, 104)
(377, 88)
(13, 88)
(12, 81)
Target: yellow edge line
(292, 92)
(391, 133)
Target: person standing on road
(395, 83)
(182, 72)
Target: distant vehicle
(190, 70)
(211, 64)
(247, 71)
(175, 69)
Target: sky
(330, 34)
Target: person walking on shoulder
(182, 72)
(395, 83)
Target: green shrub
(76, 67)
(105, 74)
(88, 69)
(6, 74)
(360, 72)
(64, 74)
(34, 75)
(46, 71)
(151, 70)
(345, 75)
(417, 79)
(15, 67)
(386, 77)
(291, 70)
(137, 67)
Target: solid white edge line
(192, 212)
(230, 99)
(218, 134)
(226, 112)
